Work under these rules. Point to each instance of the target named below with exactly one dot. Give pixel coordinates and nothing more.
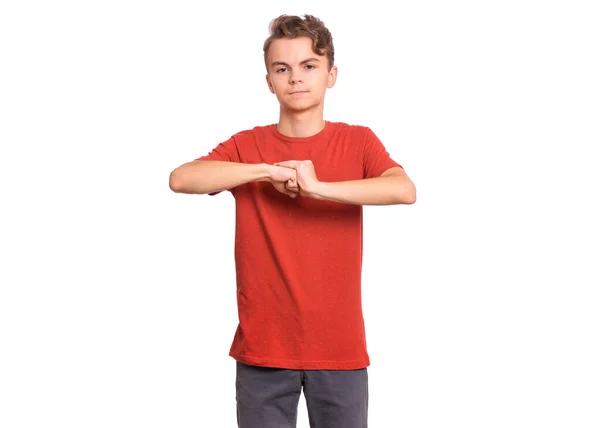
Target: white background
(481, 301)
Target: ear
(331, 79)
(270, 84)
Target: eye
(279, 70)
(310, 66)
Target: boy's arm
(209, 176)
(391, 188)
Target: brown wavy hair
(291, 26)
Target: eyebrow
(276, 63)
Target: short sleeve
(226, 151)
(376, 159)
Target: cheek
(323, 80)
(278, 82)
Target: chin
(300, 106)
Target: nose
(294, 79)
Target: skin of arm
(207, 176)
(391, 188)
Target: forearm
(207, 176)
(389, 190)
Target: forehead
(291, 50)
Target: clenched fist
(284, 180)
(306, 178)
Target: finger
(289, 163)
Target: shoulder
(353, 131)
(250, 135)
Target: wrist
(317, 190)
(264, 172)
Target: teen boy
(299, 186)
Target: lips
(298, 92)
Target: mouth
(298, 92)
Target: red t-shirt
(299, 261)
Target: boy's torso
(298, 261)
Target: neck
(300, 124)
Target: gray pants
(268, 397)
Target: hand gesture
(306, 180)
(284, 180)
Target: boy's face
(296, 75)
